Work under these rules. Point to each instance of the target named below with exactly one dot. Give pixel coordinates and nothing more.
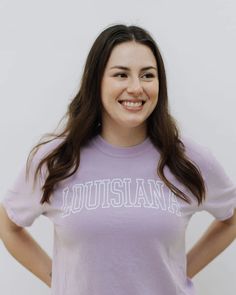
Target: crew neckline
(118, 151)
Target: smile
(132, 106)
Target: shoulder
(193, 145)
(46, 148)
(198, 152)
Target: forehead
(131, 53)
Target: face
(130, 78)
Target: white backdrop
(43, 47)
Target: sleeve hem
(230, 214)
(12, 215)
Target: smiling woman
(120, 184)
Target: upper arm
(6, 224)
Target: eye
(120, 74)
(149, 75)
(123, 75)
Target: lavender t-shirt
(118, 229)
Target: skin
(218, 236)
(119, 126)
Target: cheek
(109, 93)
(111, 88)
(153, 91)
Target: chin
(132, 124)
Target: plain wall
(43, 48)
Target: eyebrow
(127, 69)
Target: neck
(125, 138)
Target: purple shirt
(118, 229)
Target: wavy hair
(84, 121)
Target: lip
(132, 100)
(131, 109)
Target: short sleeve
(220, 189)
(22, 200)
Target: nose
(135, 87)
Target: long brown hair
(84, 121)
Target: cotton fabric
(118, 229)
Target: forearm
(26, 251)
(217, 237)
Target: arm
(219, 235)
(24, 248)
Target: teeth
(132, 104)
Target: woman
(120, 184)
